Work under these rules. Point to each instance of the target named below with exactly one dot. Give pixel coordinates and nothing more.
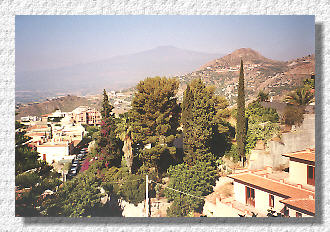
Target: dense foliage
(124, 132)
(128, 186)
(25, 157)
(108, 144)
(206, 132)
(262, 124)
(197, 180)
(78, 197)
(301, 97)
(33, 176)
(241, 120)
(155, 119)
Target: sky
(47, 42)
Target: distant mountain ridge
(114, 73)
(261, 73)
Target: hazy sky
(44, 42)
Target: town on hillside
(110, 125)
(274, 177)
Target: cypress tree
(186, 120)
(241, 121)
(108, 145)
(203, 115)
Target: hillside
(261, 73)
(65, 104)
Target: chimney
(281, 180)
(299, 186)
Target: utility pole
(147, 198)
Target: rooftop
(54, 145)
(266, 184)
(306, 204)
(306, 155)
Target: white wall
(262, 201)
(298, 173)
(292, 213)
(261, 198)
(239, 190)
(55, 153)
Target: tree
(241, 120)
(124, 132)
(79, 197)
(195, 182)
(25, 157)
(293, 115)
(203, 119)
(155, 119)
(33, 176)
(263, 96)
(300, 97)
(108, 145)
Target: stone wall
(298, 139)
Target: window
(250, 196)
(298, 214)
(286, 212)
(271, 201)
(310, 175)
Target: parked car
(74, 165)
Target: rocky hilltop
(261, 73)
(65, 104)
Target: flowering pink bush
(85, 165)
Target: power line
(188, 194)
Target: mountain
(261, 73)
(113, 73)
(65, 104)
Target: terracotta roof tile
(272, 185)
(308, 155)
(301, 203)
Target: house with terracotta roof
(302, 167)
(293, 196)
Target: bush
(26, 180)
(293, 115)
(197, 180)
(130, 187)
(262, 124)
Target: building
(86, 115)
(53, 152)
(302, 167)
(293, 196)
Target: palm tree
(263, 96)
(300, 97)
(124, 132)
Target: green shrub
(197, 180)
(27, 180)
